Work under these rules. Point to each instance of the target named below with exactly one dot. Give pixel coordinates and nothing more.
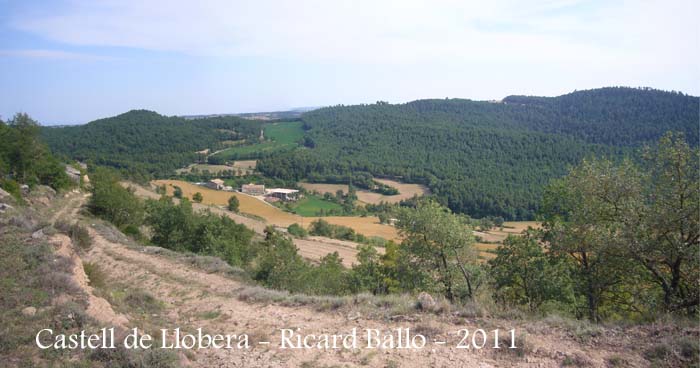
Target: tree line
(25, 159)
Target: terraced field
(495, 236)
(405, 191)
(368, 226)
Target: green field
(311, 205)
(278, 137)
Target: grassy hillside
(278, 137)
(484, 158)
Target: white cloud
(391, 32)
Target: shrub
(80, 237)
(233, 204)
(142, 301)
(197, 197)
(297, 230)
(96, 277)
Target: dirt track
(190, 297)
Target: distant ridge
(271, 115)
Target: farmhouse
(253, 189)
(216, 184)
(283, 194)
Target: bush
(197, 197)
(80, 236)
(142, 301)
(96, 277)
(11, 187)
(113, 202)
(233, 204)
(297, 230)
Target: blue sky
(68, 62)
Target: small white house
(283, 194)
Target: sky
(73, 61)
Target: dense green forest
(619, 241)
(143, 143)
(480, 158)
(484, 158)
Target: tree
(329, 277)
(321, 228)
(523, 274)
(233, 203)
(633, 233)
(367, 274)
(439, 244)
(25, 159)
(113, 202)
(582, 213)
(177, 192)
(662, 229)
(197, 197)
(28, 151)
(280, 266)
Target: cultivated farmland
(214, 169)
(311, 205)
(278, 137)
(313, 248)
(405, 191)
(368, 226)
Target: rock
(24, 188)
(44, 201)
(38, 234)
(47, 190)
(5, 207)
(29, 311)
(4, 194)
(426, 302)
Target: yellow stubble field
(368, 226)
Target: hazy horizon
(73, 61)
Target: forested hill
(615, 115)
(484, 158)
(144, 143)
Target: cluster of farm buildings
(257, 190)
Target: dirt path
(194, 299)
(98, 308)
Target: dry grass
(245, 164)
(368, 226)
(405, 191)
(324, 188)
